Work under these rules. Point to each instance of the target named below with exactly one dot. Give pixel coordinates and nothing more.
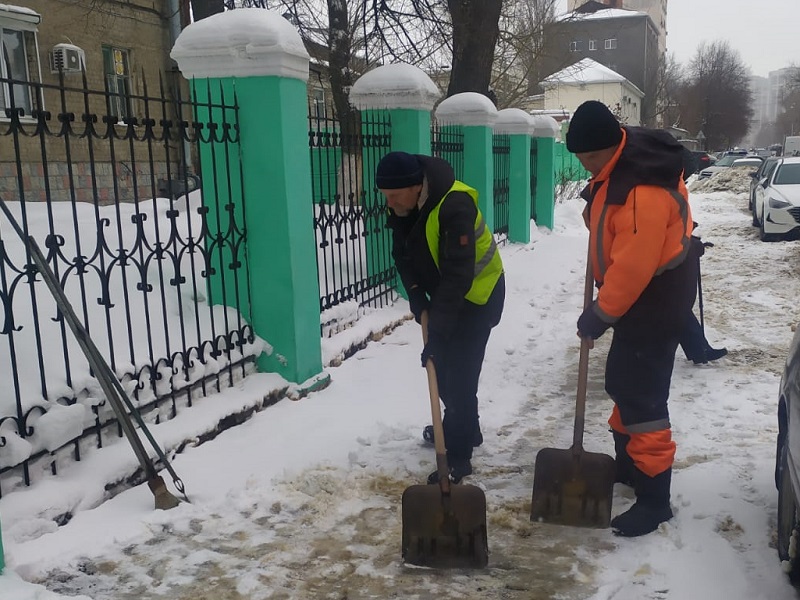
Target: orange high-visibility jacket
(639, 219)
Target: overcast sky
(765, 32)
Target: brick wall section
(139, 26)
(61, 182)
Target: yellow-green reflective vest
(488, 265)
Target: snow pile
(732, 179)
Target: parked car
(787, 460)
(725, 162)
(764, 170)
(748, 161)
(702, 160)
(776, 201)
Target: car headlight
(778, 203)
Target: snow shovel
(111, 386)
(575, 487)
(444, 525)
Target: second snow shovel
(575, 487)
(444, 525)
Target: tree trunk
(341, 77)
(348, 186)
(475, 33)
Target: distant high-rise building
(767, 98)
(656, 9)
(776, 86)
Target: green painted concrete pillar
(408, 94)
(266, 64)
(518, 125)
(475, 114)
(544, 131)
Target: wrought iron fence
(353, 246)
(501, 153)
(148, 248)
(448, 143)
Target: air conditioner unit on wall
(67, 58)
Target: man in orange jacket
(639, 233)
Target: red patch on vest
(463, 240)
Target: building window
(611, 44)
(117, 72)
(573, 46)
(17, 46)
(592, 44)
(318, 98)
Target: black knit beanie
(398, 170)
(592, 127)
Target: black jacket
(447, 285)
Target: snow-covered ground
(303, 500)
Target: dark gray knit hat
(398, 170)
(592, 127)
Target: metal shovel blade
(573, 488)
(445, 530)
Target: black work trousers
(638, 376)
(457, 374)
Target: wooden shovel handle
(583, 363)
(436, 415)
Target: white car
(730, 160)
(776, 202)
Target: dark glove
(590, 324)
(434, 349)
(419, 302)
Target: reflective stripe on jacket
(488, 265)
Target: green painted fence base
(315, 384)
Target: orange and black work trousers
(638, 376)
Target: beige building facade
(119, 47)
(586, 80)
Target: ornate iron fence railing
(149, 250)
(448, 143)
(353, 246)
(501, 153)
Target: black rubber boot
(623, 460)
(427, 435)
(710, 353)
(651, 507)
(459, 468)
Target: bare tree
(716, 97)
(671, 83)
(519, 47)
(788, 121)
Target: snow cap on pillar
(466, 108)
(545, 126)
(398, 85)
(513, 121)
(246, 42)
